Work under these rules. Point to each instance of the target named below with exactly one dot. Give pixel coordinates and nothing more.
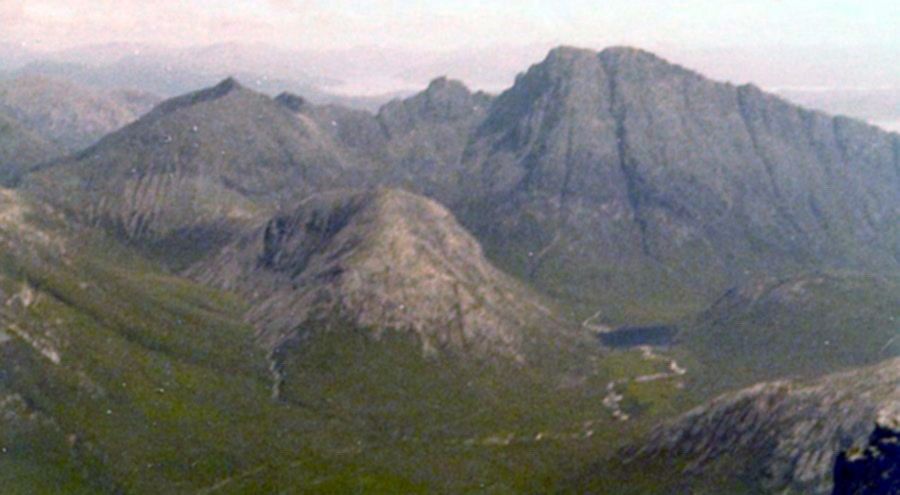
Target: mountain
(620, 175)
(74, 418)
(70, 116)
(776, 437)
(20, 149)
(428, 134)
(873, 469)
(172, 173)
(195, 168)
(416, 143)
(384, 260)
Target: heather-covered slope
(118, 377)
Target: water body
(654, 336)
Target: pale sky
(449, 24)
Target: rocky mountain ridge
(619, 158)
(385, 260)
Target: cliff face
(875, 468)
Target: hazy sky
(447, 24)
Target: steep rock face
(205, 162)
(386, 260)
(783, 434)
(619, 157)
(875, 468)
(428, 134)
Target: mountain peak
(444, 100)
(611, 57)
(228, 86)
(616, 56)
(291, 101)
(444, 83)
(570, 52)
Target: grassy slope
(804, 327)
(164, 389)
(159, 381)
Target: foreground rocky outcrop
(875, 468)
(783, 435)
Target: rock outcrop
(875, 468)
(783, 435)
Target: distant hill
(70, 116)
